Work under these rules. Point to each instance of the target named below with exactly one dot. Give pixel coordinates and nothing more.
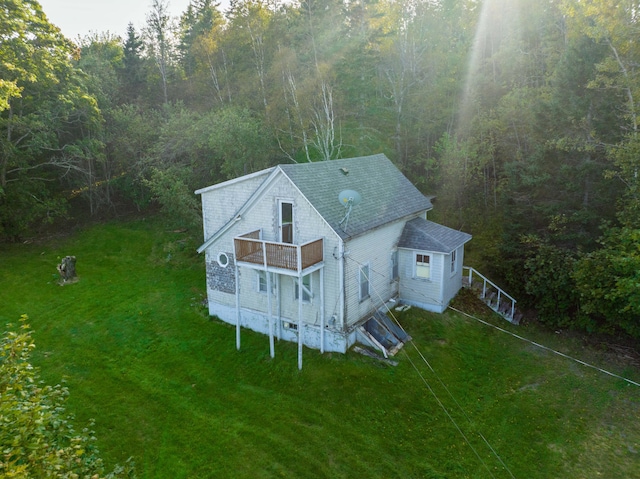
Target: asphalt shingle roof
(387, 195)
(421, 234)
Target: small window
(307, 294)
(423, 266)
(394, 265)
(223, 259)
(363, 279)
(262, 281)
(454, 262)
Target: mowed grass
(166, 385)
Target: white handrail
(500, 291)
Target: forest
(520, 116)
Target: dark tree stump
(67, 268)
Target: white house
(310, 252)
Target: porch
(251, 249)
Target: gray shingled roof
(387, 195)
(421, 234)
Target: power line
(440, 403)
(546, 347)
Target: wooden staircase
(493, 296)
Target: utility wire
(442, 406)
(547, 348)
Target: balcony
(249, 248)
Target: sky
(80, 17)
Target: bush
(37, 438)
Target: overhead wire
(546, 348)
(433, 393)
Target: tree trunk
(67, 268)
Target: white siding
(264, 215)
(374, 249)
(453, 283)
(426, 293)
(220, 204)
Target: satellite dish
(348, 199)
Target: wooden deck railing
(250, 249)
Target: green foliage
(608, 282)
(37, 437)
(549, 283)
(48, 119)
(170, 189)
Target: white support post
(300, 331)
(322, 310)
(272, 350)
(498, 305)
(237, 308)
(279, 306)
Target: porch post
(279, 305)
(300, 330)
(271, 344)
(237, 308)
(322, 310)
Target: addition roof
(424, 235)
(387, 195)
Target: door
(286, 222)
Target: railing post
(484, 287)
(498, 305)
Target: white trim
(415, 265)
(224, 263)
(233, 181)
(453, 262)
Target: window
(423, 267)
(454, 262)
(363, 279)
(262, 281)
(223, 259)
(306, 288)
(394, 265)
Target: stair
(491, 294)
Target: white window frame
(364, 279)
(454, 262)
(223, 262)
(307, 289)
(261, 279)
(417, 265)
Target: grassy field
(166, 385)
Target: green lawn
(166, 385)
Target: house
(310, 252)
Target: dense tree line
(521, 116)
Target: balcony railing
(250, 249)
